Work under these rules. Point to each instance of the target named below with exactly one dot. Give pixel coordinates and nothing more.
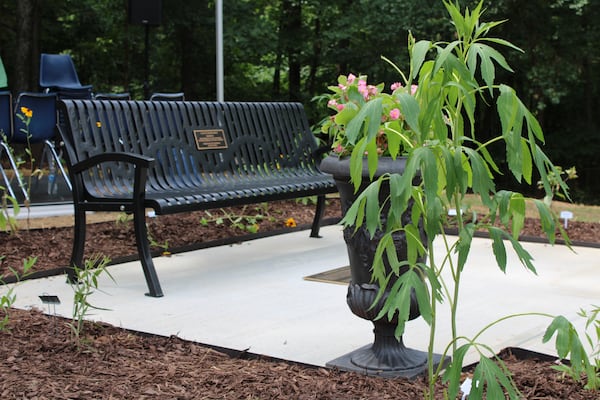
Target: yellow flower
(99, 124)
(26, 112)
(290, 223)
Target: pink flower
(394, 114)
(332, 103)
(413, 89)
(340, 107)
(339, 148)
(351, 78)
(363, 89)
(395, 85)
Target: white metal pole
(219, 34)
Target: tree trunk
(292, 29)
(27, 48)
(315, 59)
(278, 60)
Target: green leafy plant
(555, 178)
(592, 335)
(7, 218)
(26, 115)
(305, 201)
(429, 118)
(7, 221)
(164, 246)
(243, 221)
(125, 218)
(84, 286)
(8, 298)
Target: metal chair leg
(57, 159)
(13, 166)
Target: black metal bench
(129, 156)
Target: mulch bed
(41, 359)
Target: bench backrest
(189, 140)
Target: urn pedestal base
(348, 362)
(387, 356)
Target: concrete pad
(252, 296)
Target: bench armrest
(141, 163)
(136, 159)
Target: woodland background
(293, 49)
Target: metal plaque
(210, 139)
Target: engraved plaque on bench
(210, 139)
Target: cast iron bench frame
(180, 156)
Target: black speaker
(145, 12)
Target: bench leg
(141, 238)
(78, 245)
(316, 225)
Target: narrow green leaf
(356, 163)
(561, 326)
(429, 169)
(482, 182)
(517, 211)
(444, 53)
(450, 173)
(434, 216)
(394, 141)
(419, 51)
(502, 200)
(503, 42)
(533, 124)
(498, 247)
(410, 109)
(372, 207)
(524, 256)
(423, 297)
(452, 374)
(527, 163)
(391, 254)
(464, 244)
(378, 272)
(372, 158)
(366, 122)
(413, 243)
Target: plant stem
(457, 272)
(432, 328)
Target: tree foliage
(293, 49)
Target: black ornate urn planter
(386, 356)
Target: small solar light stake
(566, 215)
(50, 300)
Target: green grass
(581, 212)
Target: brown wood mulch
(41, 360)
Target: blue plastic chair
(6, 131)
(3, 78)
(58, 74)
(42, 129)
(112, 96)
(177, 96)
